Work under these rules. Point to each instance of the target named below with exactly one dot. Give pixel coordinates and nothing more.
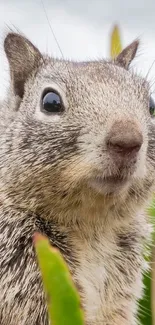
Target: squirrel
(77, 164)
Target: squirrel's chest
(106, 273)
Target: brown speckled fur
(47, 164)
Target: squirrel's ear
(23, 58)
(127, 55)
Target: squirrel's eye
(51, 102)
(152, 107)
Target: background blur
(81, 27)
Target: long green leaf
(147, 304)
(62, 297)
(115, 42)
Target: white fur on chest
(92, 276)
(92, 279)
(110, 276)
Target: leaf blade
(63, 300)
(115, 42)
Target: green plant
(62, 298)
(115, 42)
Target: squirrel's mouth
(110, 184)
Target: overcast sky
(81, 27)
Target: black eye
(152, 107)
(51, 102)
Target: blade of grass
(62, 297)
(152, 273)
(153, 286)
(148, 302)
(115, 42)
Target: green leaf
(147, 304)
(62, 298)
(115, 42)
(145, 314)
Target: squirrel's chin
(110, 185)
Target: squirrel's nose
(124, 139)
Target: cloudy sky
(82, 28)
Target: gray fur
(53, 172)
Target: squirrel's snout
(124, 139)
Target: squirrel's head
(79, 128)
